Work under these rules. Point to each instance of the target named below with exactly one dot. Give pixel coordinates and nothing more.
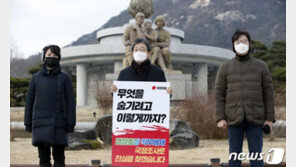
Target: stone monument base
(173, 72)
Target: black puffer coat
(50, 107)
(151, 73)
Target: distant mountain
(212, 22)
(19, 66)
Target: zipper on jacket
(241, 81)
(59, 87)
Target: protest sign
(140, 125)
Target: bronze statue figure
(131, 33)
(151, 35)
(163, 43)
(159, 38)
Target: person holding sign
(141, 68)
(141, 112)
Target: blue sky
(36, 23)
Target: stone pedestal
(81, 88)
(117, 66)
(202, 78)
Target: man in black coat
(141, 68)
(50, 111)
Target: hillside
(212, 22)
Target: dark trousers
(255, 142)
(58, 153)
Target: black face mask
(51, 61)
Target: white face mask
(241, 48)
(140, 56)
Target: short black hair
(237, 34)
(54, 49)
(141, 40)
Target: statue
(131, 33)
(163, 43)
(151, 35)
(143, 6)
(159, 38)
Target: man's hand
(269, 123)
(113, 89)
(222, 124)
(170, 90)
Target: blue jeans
(255, 142)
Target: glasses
(141, 49)
(244, 41)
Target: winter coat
(152, 74)
(244, 88)
(50, 110)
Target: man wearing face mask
(50, 111)
(244, 99)
(141, 68)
